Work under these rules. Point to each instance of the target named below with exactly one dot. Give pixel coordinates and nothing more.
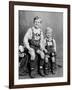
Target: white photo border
(18, 81)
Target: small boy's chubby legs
(50, 64)
(47, 65)
(53, 64)
(33, 60)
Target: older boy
(33, 41)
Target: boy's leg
(47, 65)
(41, 62)
(53, 63)
(32, 64)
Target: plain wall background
(4, 45)
(49, 19)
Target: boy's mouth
(36, 26)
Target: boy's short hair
(36, 18)
(48, 29)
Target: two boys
(35, 43)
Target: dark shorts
(35, 47)
(50, 50)
(34, 44)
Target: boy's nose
(36, 23)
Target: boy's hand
(54, 53)
(31, 49)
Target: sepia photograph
(39, 44)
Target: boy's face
(49, 34)
(37, 23)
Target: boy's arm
(26, 38)
(41, 42)
(54, 42)
(44, 45)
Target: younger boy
(50, 46)
(33, 41)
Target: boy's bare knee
(53, 59)
(32, 55)
(42, 55)
(46, 60)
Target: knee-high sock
(32, 64)
(41, 63)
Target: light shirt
(28, 36)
